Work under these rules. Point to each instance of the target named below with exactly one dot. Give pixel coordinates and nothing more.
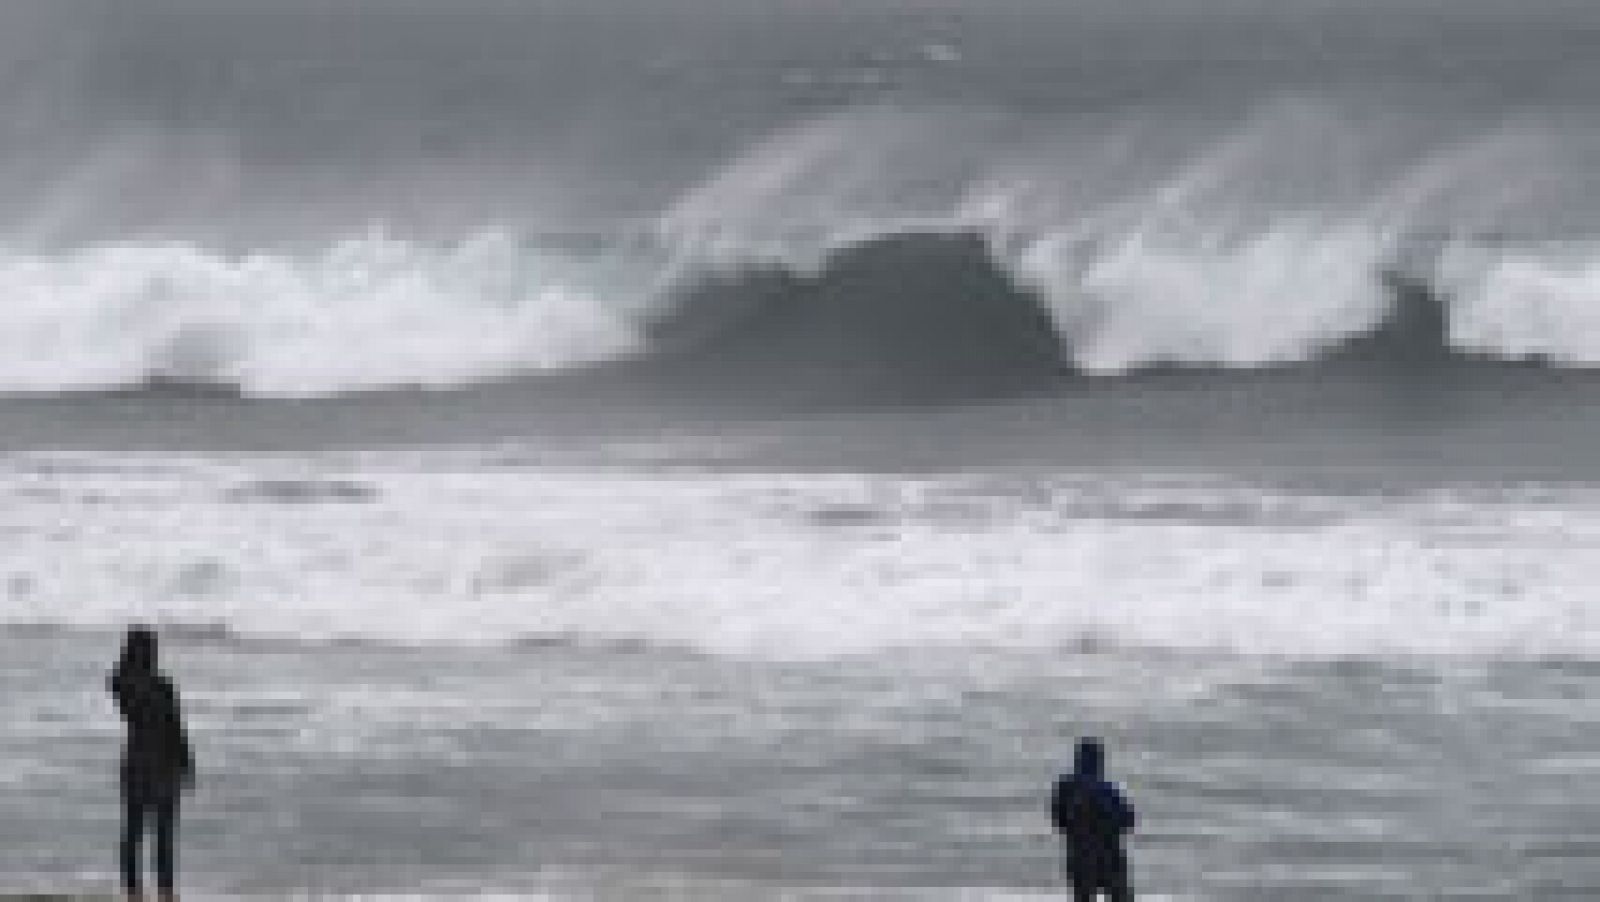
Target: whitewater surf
(727, 449)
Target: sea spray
(1269, 237)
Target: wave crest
(1270, 235)
(367, 312)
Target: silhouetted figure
(1092, 816)
(156, 763)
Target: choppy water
(626, 772)
(732, 684)
(723, 448)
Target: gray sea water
(627, 773)
(733, 450)
(460, 671)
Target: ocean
(734, 450)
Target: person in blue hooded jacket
(1092, 816)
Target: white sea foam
(372, 311)
(1278, 296)
(1234, 239)
(1260, 237)
(774, 566)
(1526, 303)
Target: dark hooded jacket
(157, 760)
(1091, 813)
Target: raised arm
(124, 692)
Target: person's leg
(133, 812)
(1083, 885)
(1118, 887)
(167, 844)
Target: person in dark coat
(157, 764)
(1092, 816)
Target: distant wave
(368, 312)
(1304, 228)
(903, 248)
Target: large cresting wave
(918, 245)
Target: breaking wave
(892, 240)
(368, 312)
